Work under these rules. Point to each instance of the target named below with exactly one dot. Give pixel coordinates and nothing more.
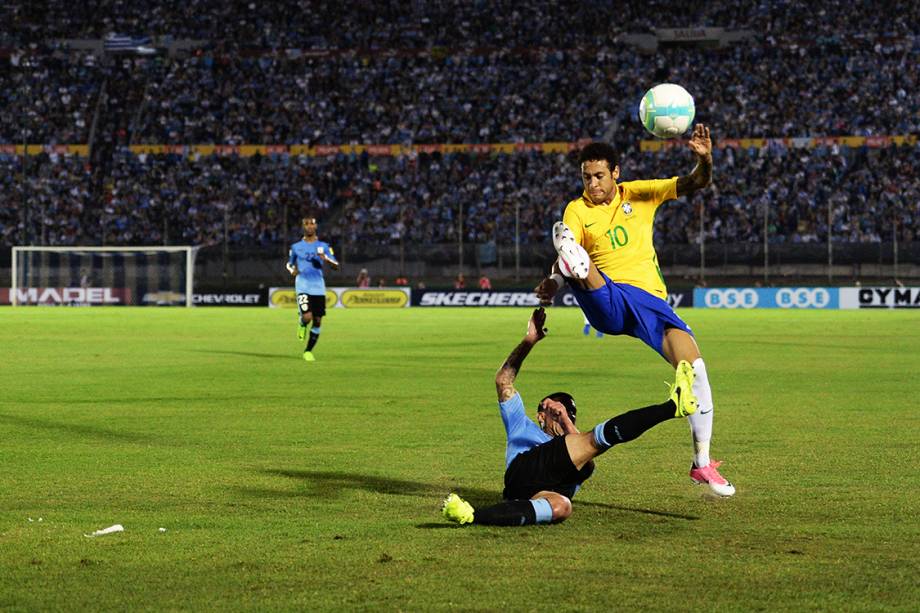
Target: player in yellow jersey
(607, 256)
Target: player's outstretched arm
(504, 378)
(701, 176)
(548, 287)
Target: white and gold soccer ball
(667, 110)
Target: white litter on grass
(104, 531)
(39, 519)
(162, 529)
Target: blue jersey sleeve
(523, 434)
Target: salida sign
(68, 295)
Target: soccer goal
(140, 276)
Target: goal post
(140, 276)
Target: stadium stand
(411, 74)
(395, 24)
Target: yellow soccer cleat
(308, 356)
(457, 509)
(682, 390)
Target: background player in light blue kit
(587, 329)
(305, 262)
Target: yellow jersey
(618, 236)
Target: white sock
(701, 421)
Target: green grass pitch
(284, 485)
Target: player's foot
(710, 474)
(573, 259)
(682, 390)
(598, 334)
(301, 332)
(457, 509)
(586, 330)
(308, 356)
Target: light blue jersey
(305, 255)
(523, 433)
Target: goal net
(140, 276)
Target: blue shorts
(618, 308)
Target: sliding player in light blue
(305, 262)
(547, 461)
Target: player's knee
(561, 505)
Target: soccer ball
(667, 110)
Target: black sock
(314, 336)
(507, 513)
(630, 425)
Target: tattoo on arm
(698, 179)
(504, 379)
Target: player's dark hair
(597, 152)
(565, 399)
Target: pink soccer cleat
(710, 474)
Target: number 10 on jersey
(618, 237)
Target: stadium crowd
(47, 97)
(157, 197)
(527, 86)
(449, 72)
(866, 190)
(57, 190)
(536, 96)
(255, 201)
(396, 24)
